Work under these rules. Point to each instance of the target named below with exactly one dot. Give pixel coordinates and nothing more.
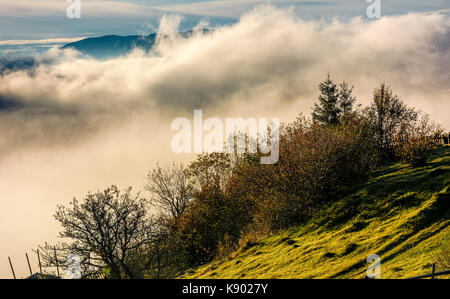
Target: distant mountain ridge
(110, 46)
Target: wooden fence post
(12, 269)
(39, 260)
(28, 261)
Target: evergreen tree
(326, 112)
(334, 101)
(346, 99)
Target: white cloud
(40, 41)
(100, 8)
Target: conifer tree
(334, 102)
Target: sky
(70, 124)
(30, 19)
(45, 20)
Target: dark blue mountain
(110, 46)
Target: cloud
(21, 48)
(270, 56)
(71, 124)
(303, 8)
(39, 41)
(100, 8)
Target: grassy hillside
(401, 214)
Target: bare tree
(170, 188)
(105, 230)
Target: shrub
(316, 164)
(213, 218)
(415, 142)
(415, 151)
(279, 212)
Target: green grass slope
(402, 214)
